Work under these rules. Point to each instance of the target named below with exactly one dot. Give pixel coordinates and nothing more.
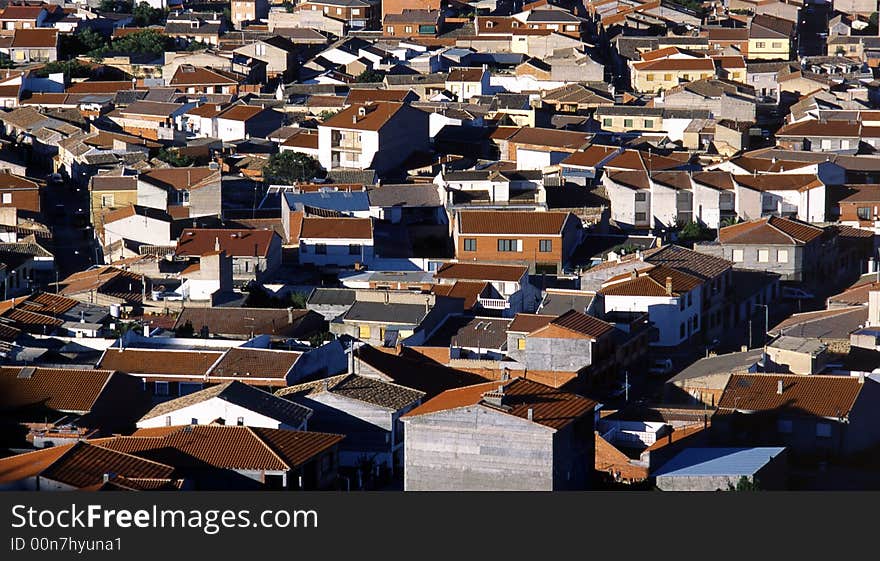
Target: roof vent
(669, 285)
(26, 373)
(362, 111)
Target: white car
(790, 293)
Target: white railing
(494, 303)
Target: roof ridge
(268, 447)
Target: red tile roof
(580, 324)
(526, 323)
(235, 243)
(771, 230)
(364, 116)
(479, 272)
(650, 282)
(499, 222)
(84, 465)
(72, 390)
(549, 407)
(816, 395)
(35, 38)
(147, 361)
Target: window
(606, 122)
(823, 430)
(390, 30)
(168, 421)
(193, 421)
(681, 331)
(686, 76)
(864, 212)
(408, 29)
(321, 248)
(7, 198)
(763, 256)
(521, 344)
(641, 197)
(354, 249)
(649, 123)
(364, 331)
(260, 49)
(508, 245)
(356, 11)
(106, 201)
(649, 77)
(338, 10)
(776, 44)
(240, 421)
(784, 426)
(844, 144)
(160, 388)
(627, 123)
(667, 77)
(690, 298)
(826, 144)
(641, 217)
(760, 44)
(470, 244)
(782, 256)
(545, 246)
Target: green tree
(369, 76)
(692, 231)
(174, 158)
(290, 167)
(745, 484)
(145, 15)
(326, 114)
(70, 68)
(148, 41)
(197, 46)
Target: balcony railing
(494, 303)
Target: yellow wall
(651, 81)
(768, 49)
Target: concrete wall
(476, 449)
(567, 355)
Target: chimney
(495, 398)
(216, 244)
(779, 387)
(505, 374)
(634, 274)
(106, 477)
(289, 316)
(861, 377)
(531, 414)
(146, 331)
(325, 385)
(871, 265)
(669, 285)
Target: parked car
(661, 366)
(791, 293)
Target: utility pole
(626, 385)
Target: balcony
(494, 303)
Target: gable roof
(243, 395)
(370, 116)
(527, 323)
(687, 260)
(580, 325)
(84, 464)
(360, 388)
(243, 321)
(770, 230)
(549, 407)
(246, 364)
(780, 182)
(35, 38)
(650, 282)
(181, 178)
(226, 447)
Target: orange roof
(822, 396)
(35, 38)
(500, 222)
(70, 390)
(235, 243)
(95, 86)
(181, 178)
(148, 361)
(480, 272)
(519, 397)
(650, 282)
(578, 324)
(771, 230)
(364, 116)
(30, 464)
(526, 323)
(240, 112)
(468, 290)
(194, 75)
(590, 157)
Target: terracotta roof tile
(71, 390)
(337, 228)
(500, 222)
(148, 361)
(364, 116)
(480, 272)
(360, 388)
(821, 396)
(85, 464)
(650, 282)
(235, 243)
(549, 407)
(526, 323)
(772, 230)
(246, 364)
